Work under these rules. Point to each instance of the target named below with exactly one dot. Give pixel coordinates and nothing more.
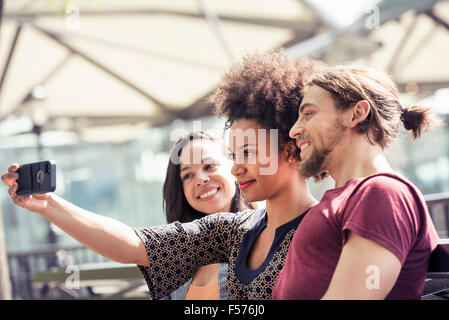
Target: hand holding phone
(36, 177)
(30, 184)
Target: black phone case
(36, 177)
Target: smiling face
(317, 131)
(258, 166)
(206, 177)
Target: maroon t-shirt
(385, 208)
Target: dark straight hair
(175, 203)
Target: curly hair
(265, 87)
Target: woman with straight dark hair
(216, 191)
(176, 206)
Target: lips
(208, 193)
(245, 184)
(303, 145)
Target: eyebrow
(202, 161)
(245, 145)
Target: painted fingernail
(15, 175)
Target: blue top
(242, 272)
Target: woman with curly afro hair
(259, 97)
(265, 88)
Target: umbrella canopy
(108, 70)
(132, 63)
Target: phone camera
(40, 176)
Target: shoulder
(385, 197)
(249, 218)
(227, 219)
(242, 216)
(387, 184)
(250, 214)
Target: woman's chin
(209, 212)
(252, 197)
(211, 209)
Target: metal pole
(10, 55)
(5, 281)
(215, 24)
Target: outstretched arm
(106, 236)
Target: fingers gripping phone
(36, 177)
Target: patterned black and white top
(176, 250)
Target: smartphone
(36, 177)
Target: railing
(436, 286)
(438, 205)
(23, 265)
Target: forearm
(106, 236)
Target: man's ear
(359, 112)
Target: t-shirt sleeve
(384, 210)
(175, 251)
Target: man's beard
(317, 165)
(314, 166)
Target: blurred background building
(106, 87)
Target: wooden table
(120, 280)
